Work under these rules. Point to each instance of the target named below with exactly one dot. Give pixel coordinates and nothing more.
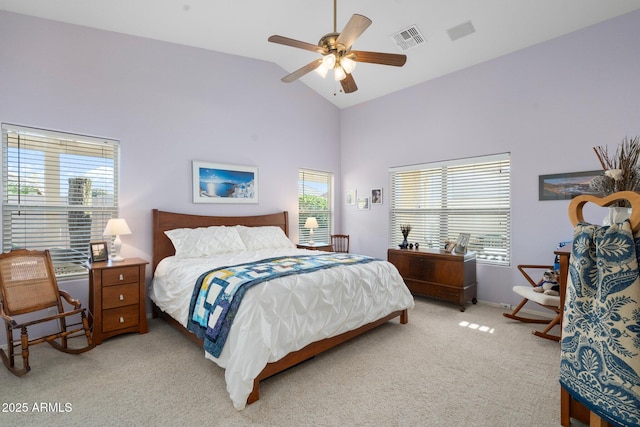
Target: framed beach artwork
(566, 186)
(220, 183)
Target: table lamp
(116, 227)
(311, 223)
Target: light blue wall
(547, 105)
(170, 104)
(167, 105)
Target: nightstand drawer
(120, 318)
(120, 295)
(119, 276)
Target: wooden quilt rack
(570, 407)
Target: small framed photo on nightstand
(98, 252)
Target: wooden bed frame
(162, 248)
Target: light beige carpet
(444, 368)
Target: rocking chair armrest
(6, 317)
(76, 304)
(523, 267)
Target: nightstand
(316, 246)
(117, 298)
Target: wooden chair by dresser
(340, 242)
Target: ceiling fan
(336, 52)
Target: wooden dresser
(437, 274)
(117, 298)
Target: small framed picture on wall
(350, 197)
(376, 196)
(363, 203)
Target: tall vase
(405, 243)
(616, 215)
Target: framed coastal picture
(566, 186)
(221, 183)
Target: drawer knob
(121, 319)
(121, 277)
(121, 297)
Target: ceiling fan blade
(302, 71)
(297, 43)
(354, 28)
(349, 84)
(378, 58)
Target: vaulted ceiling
(456, 34)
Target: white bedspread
(286, 314)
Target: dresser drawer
(119, 276)
(120, 318)
(120, 295)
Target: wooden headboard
(163, 221)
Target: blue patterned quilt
(218, 292)
(600, 365)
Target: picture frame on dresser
(98, 251)
(462, 243)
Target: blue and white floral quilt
(600, 365)
(219, 292)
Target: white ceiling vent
(461, 30)
(408, 38)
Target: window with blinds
(58, 192)
(441, 200)
(315, 195)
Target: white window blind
(441, 200)
(315, 195)
(58, 192)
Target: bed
(283, 321)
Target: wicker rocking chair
(28, 285)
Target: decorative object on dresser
(311, 223)
(116, 227)
(98, 251)
(462, 243)
(28, 286)
(340, 242)
(438, 274)
(117, 298)
(405, 230)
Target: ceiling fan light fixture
(329, 61)
(322, 71)
(348, 64)
(338, 73)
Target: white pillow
(205, 241)
(268, 237)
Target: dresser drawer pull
(121, 319)
(121, 277)
(121, 297)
